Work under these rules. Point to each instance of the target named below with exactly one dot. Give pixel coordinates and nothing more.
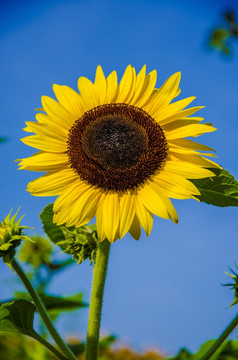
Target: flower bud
(11, 235)
(80, 242)
(234, 285)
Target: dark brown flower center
(115, 142)
(116, 147)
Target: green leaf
(106, 342)
(53, 231)
(77, 348)
(183, 354)
(17, 316)
(220, 190)
(58, 304)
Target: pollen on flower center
(116, 147)
(115, 142)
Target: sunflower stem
(221, 339)
(49, 346)
(99, 276)
(42, 311)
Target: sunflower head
(117, 151)
(11, 235)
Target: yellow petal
(44, 161)
(189, 144)
(145, 216)
(189, 130)
(101, 84)
(172, 115)
(157, 203)
(68, 196)
(70, 100)
(148, 87)
(27, 129)
(140, 79)
(126, 86)
(176, 150)
(89, 93)
(127, 212)
(175, 186)
(52, 183)
(171, 109)
(110, 216)
(166, 93)
(53, 121)
(84, 208)
(99, 222)
(132, 89)
(45, 143)
(57, 111)
(179, 123)
(186, 169)
(112, 88)
(135, 229)
(198, 160)
(48, 130)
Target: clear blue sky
(164, 291)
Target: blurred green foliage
(222, 36)
(36, 253)
(19, 347)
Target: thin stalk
(221, 339)
(49, 346)
(99, 276)
(42, 311)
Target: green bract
(80, 242)
(11, 235)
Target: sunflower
(117, 152)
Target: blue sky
(164, 291)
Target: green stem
(221, 339)
(99, 276)
(48, 346)
(43, 313)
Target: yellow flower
(117, 152)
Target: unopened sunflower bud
(11, 235)
(234, 285)
(80, 242)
